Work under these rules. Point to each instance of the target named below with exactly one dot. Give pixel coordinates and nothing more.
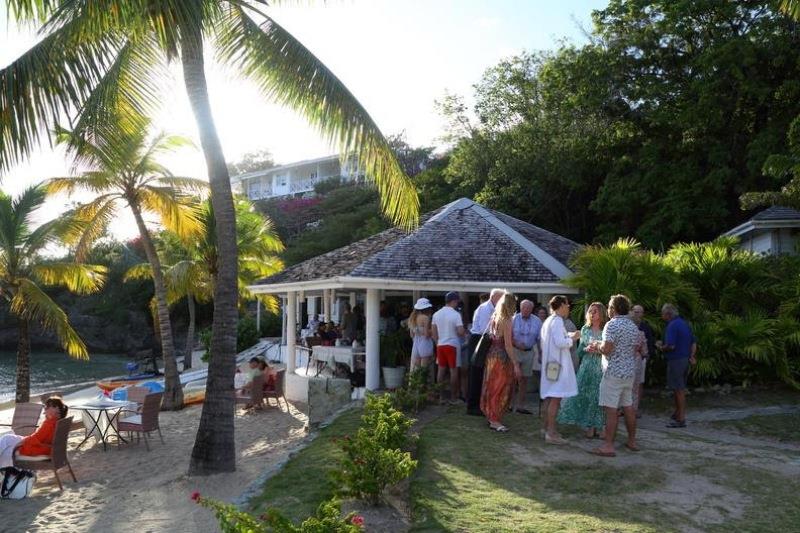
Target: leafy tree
(23, 273)
(99, 58)
(252, 161)
(191, 263)
(121, 169)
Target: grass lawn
(473, 480)
(303, 482)
(785, 427)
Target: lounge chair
(58, 454)
(277, 392)
(26, 418)
(255, 397)
(144, 422)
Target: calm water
(52, 371)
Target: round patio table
(100, 418)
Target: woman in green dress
(584, 409)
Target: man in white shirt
(447, 330)
(480, 319)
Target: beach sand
(133, 490)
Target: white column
(291, 331)
(373, 340)
(326, 304)
(258, 315)
(415, 295)
(283, 321)
(312, 307)
(331, 303)
(352, 300)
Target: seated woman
(252, 372)
(40, 442)
(270, 375)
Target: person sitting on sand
(40, 442)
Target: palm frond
(288, 73)
(174, 211)
(139, 271)
(791, 8)
(79, 278)
(95, 182)
(88, 222)
(31, 303)
(47, 83)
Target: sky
(396, 56)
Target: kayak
(194, 392)
(109, 385)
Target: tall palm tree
(191, 265)
(101, 55)
(23, 272)
(120, 168)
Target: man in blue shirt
(679, 350)
(526, 329)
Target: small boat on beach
(109, 385)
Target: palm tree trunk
(187, 359)
(173, 392)
(23, 363)
(214, 447)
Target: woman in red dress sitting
(40, 442)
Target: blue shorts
(677, 373)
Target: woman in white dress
(556, 344)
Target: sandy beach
(133, 490)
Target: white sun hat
(422, 303)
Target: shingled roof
(460, 242)
(769, 219)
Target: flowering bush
(374, 458)
(328, 519)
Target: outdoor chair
(145, 421)
(58, 454)
(255, 397)
(138, 394)
(26, 418)
(277, 392)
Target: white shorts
(616, 392)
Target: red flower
(357, 520)
(195, 496)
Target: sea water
(53, 371)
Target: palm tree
(23, 272)
(190, 265)
(101, 55)
(791, 8)
(121, 168)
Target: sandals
(601, 453)
(500, 429)
(633, 448)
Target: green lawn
(303, 482)
(473, 480)
(785, 427)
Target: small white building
(773, 231)
(294, 178)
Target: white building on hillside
(294, 178)
(773, 231)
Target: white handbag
(17, 483)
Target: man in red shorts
(447, 330)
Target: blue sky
(396, 56)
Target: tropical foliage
(121, 169)
(743, 307)
(23, 273)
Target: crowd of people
(588, 377)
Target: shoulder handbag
(482, 348)
(17, 483)
(552, 370)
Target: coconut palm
(23, 272)
(791, 8)
(121, 169)
(101, 55)
(190, 265)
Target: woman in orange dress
(502, 367)
(38, 443)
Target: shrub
(374, 458)
(416, 391)
(328, 519)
